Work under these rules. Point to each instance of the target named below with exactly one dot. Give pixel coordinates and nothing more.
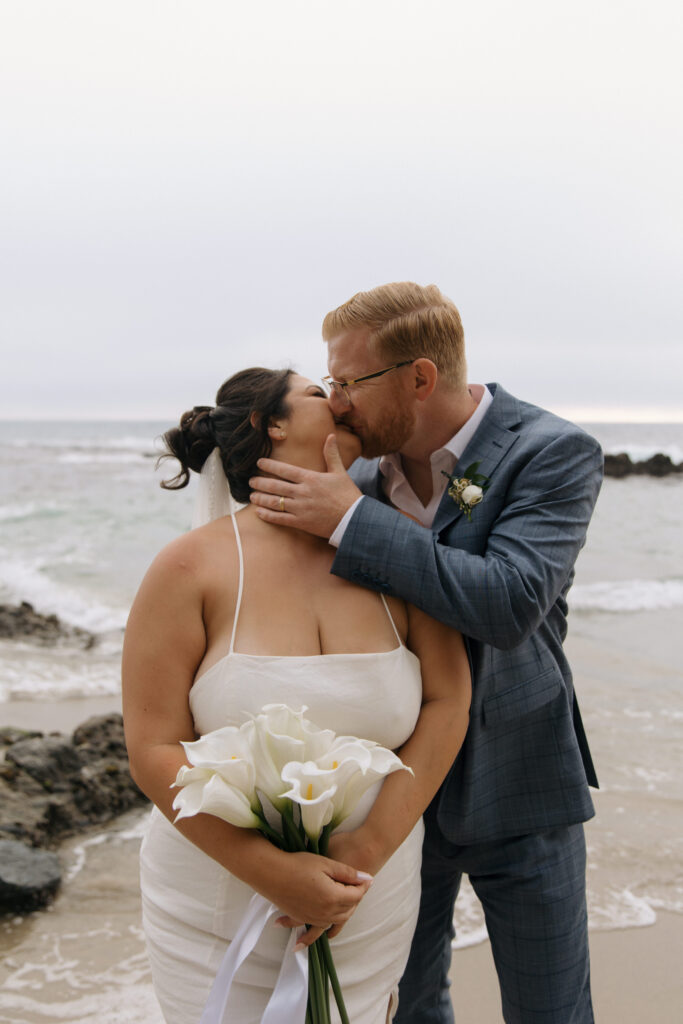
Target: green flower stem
(265, 827)
(326, 979)
(334, 980)
(327, 962)
(294, 840)
(316, 986)
(274, 837)
(324, 841)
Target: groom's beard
(388, 432)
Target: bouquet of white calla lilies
(282, 755)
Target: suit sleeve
(502, 596)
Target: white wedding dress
(192, 907)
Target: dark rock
(658, 465)
(24, 816)
(102, 735)
(28, 877)
(618, 465)
(22, 620)
(9, 735)
(55, 786)
(52, 760)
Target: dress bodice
(375, 695)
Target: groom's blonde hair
(407, 321)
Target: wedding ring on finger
(282, 504)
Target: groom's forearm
(501, 596)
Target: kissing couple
(393, 552)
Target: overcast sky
(188, 187)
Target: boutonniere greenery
(467, 490)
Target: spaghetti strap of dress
(240, 588)
(391, 620)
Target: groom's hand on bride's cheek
(303, 498)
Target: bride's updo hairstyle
(256, 394)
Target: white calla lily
(282, 736)
(208, 793)
(358, 764)
(282, 722)
(221, 779)
(237, 772)
(226, 752)
(314, 791)
(221, 745)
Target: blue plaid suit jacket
(502, 580)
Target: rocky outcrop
(658, 465)
(54, 786)
(18, 621)
(28, 877)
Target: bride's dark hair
(229, 425)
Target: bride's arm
(165, 642)
(430, 750)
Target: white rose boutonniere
(467, 490)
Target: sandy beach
(56, 715)
(636, 977)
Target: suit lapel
(366, 475)
(491, 442)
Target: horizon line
(617, 414)
(578, 414)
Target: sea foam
(29, 510)
(25, 581)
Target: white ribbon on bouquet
(290, 995)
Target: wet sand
(55, 715)
(636, 977)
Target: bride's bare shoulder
(197, 552)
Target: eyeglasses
(338, 387)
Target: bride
(239, 613)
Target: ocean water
(81, 517)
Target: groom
(510, 812)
